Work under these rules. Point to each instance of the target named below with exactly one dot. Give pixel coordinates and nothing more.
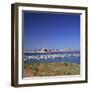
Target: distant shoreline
(77, 51)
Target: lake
(72, 57)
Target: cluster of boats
(48, 56)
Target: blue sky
(53, 31)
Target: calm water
(72, 59)
(28, 54)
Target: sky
(51, 30)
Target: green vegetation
(51, 69)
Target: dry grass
(51, 69)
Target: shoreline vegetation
(51, 69)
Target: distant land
(46, 50)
